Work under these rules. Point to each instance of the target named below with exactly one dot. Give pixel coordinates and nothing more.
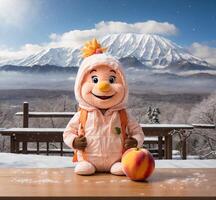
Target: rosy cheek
(118, 88)
(87, 88)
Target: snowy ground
(9, 160)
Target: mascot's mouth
(102, 97)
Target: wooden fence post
(25, 123)
(160, 147)
(25, 114)
(184, 150)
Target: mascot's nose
(104, 86)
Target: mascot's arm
(135, 130)
(71, 130)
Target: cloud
(26, 50)
(204, 51)
(17, 12)
(76, 38)
(151, 26)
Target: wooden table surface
(184, 183)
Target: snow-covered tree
(203, 141)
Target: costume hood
(90, 63)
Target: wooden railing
(27, 115)
(156, 134)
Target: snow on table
(9, 160)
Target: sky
(27, 26)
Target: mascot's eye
(94, 79)
(112, 79)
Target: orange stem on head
(92, 47)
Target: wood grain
(183, 183)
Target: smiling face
(102, 87)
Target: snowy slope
(152, 51)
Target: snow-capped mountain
(151, 51)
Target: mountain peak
(152, 51)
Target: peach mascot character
(102, 129)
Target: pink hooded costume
(104, 145)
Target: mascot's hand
(80, 142)
(130, 143)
